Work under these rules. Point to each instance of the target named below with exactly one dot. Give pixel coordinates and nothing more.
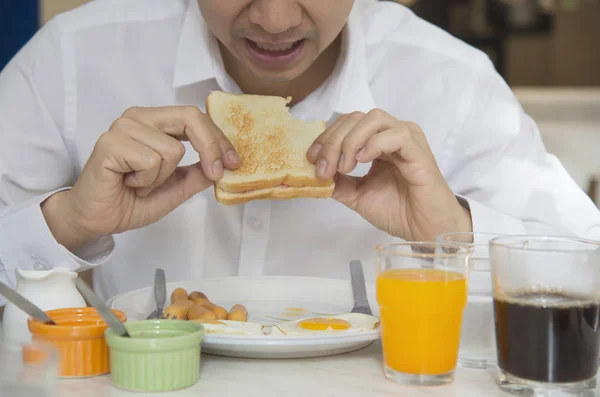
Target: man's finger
(371, 124)
(170, 150)
(191, 181)
(189, 123)
(329, 157)
(184, 183)
(231, 158)
(394, 141)
(139, 163)
(407, 152)
(313, 152)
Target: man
(102, 122)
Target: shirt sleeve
(499, 164)
(35, 161)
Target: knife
(24, 304)
(160, 294)
(113, 322)
(359, 289)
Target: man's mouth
(275, 54)
(278, 49)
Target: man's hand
(404, 192)
(133, 177)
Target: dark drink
(547, 336)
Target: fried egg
(273, 330)
(231, 327)
(351, 322)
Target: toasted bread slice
(272, 145)
(273, 193)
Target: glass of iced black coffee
(546, 311)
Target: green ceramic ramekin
(161, 355)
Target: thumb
(184, 183)
(347, 190)
(191, 180)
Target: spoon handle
(113, 322)
(24, 304)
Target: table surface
(358, 373)
(353, 374)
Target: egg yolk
(322, 324)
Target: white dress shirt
(85, 67)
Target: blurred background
(547, 50)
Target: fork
(168, 316)
(160, 294)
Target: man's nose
(276, 16)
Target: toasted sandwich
(272, 145)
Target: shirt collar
(198, 53)
(347, 90)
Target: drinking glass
(477, 337)
(29, 370)
(421, 292)
(547, 306)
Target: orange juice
(421, 316)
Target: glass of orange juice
(422, 293)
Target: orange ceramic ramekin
(79, 338)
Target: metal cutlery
(160, 294)
(359, 289)
(113, 322)
(24, 304)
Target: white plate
(267, 299)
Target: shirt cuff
(487, 220)
(26, 242)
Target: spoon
(113, 322)
(24, 304)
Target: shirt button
(255, 222)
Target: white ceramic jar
(47, 289)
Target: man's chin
(271, 76)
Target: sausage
(238, 313)
(218, 310)
(179, 294)
(180, 309)
(198, 312)
(198, 297)
(199, 300)
(197, 294)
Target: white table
(353, 374)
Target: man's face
(276, 40)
